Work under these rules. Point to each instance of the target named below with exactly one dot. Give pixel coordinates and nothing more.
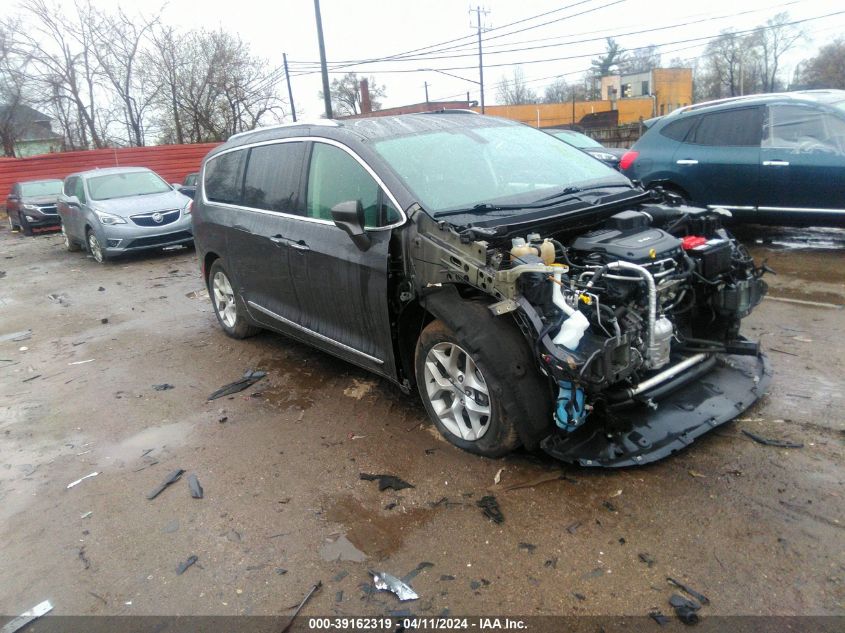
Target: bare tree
(641, 60)
(775, 39)
(557, 92)
(346, 94)
(514, 91)
(731, 66)
(13, 70)
(118, 44)
(826, 69)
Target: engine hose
(550, 327)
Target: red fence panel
(171, 162)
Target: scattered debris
(597, 572)
(769, 442)
(387, 481)
(446, 577)
(340, 575)
(616, 494)
(59, 298)
(314, 589)
(695, 594)
(98, 597)
(198, 294)
(81, 479)
(390, 505)
(658, 617)
(579, 596)
(82, 362)
(163, 386)
(498, 477)
(223, 419)
(86, 515)
(250, 377)
(17, 337)
(386, 582)
(338, 597)
(685, 609)
(416, 570)
(646, 558)
(430, 451)
(573, 527)
(104, 320)
(281, 571)
(31, 378)
(101, 289)
(183, 567)
(85, 562)
(491, 508)
(542, 479)
(359, 389)
(551, 563)
(194, 485)
(693, 473)
(609, 506)
(528, 547)
(171, 478)
(477, 584)
(26, 617)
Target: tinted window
(742, 127)
(224, 177)
(126, 185)
(804, 129)
(678, 130)
(272, 178)
(335, 177)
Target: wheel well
(207, 261)
(410, 324)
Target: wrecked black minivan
(531, 294)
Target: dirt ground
(757, 529)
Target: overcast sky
(366, 29)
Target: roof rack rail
(318, 122)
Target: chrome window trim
(403, 218)
(730, 206)
(801, 209)
(317, 335)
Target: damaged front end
(634, 322)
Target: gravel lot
(757, 529)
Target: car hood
(52, 199)
(134, 205)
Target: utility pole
(290, 92)
(425, 83)
(478, 13)
(327, 98)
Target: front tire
(95, 248)
(12, 228)
(228, 310)
(462, 395)
(26, 229)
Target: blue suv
(769, 159)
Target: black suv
(531, 294)
(769, 159)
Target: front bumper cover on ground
(733, 385)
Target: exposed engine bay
(623, 316)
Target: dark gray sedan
(122, 209)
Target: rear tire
(228, 308)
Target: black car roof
(368, 128)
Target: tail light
(628, 159)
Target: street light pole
(480, 60)
(290, 92)
(327, 98)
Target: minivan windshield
(464, 168)
(134, 183)
(41, 188)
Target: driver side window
(79, 190)
(335, 177)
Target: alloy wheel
(457, 391)
(94, 247)
(224, 299)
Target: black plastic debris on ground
(171, 479)
(687, 589)
(658, 617)
(182, 568)
(250, 377)
(528, 547)
(685, 609)
(646, 558)
(551, 563)
(407, 578)
(163, 386)
(765, 441)
(491, 508)
(194, 485)
(572, 528)
(387, 481)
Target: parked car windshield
(41, 188)
(507, 164)
(135, 183)
(577, 139)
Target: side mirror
(71, 201)
(13, 198)
(349, 216)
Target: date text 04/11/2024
(416, 623)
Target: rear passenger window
(224, 177)
(272, 178)
(737, 128)
(678, 130)
(335, 177)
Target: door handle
(279, 240)
(776, 163)
(300, 245)
(687, 161)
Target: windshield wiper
(481, 208)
